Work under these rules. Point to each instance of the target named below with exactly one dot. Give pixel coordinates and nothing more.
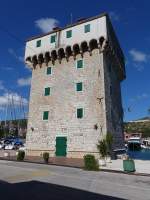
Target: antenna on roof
(71, 18)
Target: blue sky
(21, 19)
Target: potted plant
(21, 155)
(90, 163)
(46, 157)
(102, 148)
(109, 141)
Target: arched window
(68, 51)
(93, 44)
(61, 53)
(84, 46)
(76, 49)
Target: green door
(61, 146)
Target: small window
(69, 34)
(45, 115)
(79, 86)
(38, 43)
(47, 91)
(79, 63)
(79, 113)
(87, 28)
(49, 71)
(53, 38)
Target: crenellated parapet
(64, 53)
(60, 53)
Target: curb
(127, 173)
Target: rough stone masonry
(97, 102)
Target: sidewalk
(142, 166)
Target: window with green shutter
(49, 71)
(45, 115)
(79, 86)
(69, 34)
(87, 28)
(79, 63)
(53, 38)
(47, 91)
(79, 113)
(38, 43)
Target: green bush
(21, 155)
(90, 163)
(46, 157)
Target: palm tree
(102, 148)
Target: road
(19, 180)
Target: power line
(12, 35)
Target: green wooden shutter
(38, 43)
(45, 115)
(69, 34)
(79, 86)
(47, 91)
(53, 38)
(87, 28)
(79, 63)
(79, 112)
(49, 70)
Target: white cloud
(9, 97)
(138, 66)
(140, 97)
(2, 85)
(24, 81)
(138, 56)
(7, 68)
(114, 16)
(46, 24)
(14, 54)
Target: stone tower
(75, 96)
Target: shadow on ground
(36, 190)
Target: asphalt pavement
(19, 180)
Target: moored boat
(134, 143)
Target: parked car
(9, 146)
(12, 145)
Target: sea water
(143, 154)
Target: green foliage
(102, 148)
(138, 127)
(21, 155)
(109, 141)
(46, 157)
(90, 163)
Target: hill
(138, 126)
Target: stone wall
(113, 100)
(81, 135)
